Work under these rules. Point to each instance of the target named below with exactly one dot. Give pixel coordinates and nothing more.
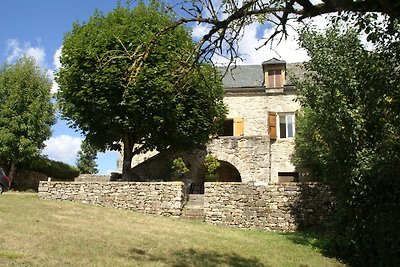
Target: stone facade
(267, 157)
(249, 155)
(154, 198)
(249, 150)
(273, 207)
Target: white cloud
(63, 148)
(56, 58)
(252, 51)
(199, 30)
(57, 66)
(16, 50)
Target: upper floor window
(233, 127)
(281, 125)
(286, 125)
(275, 78)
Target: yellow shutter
(272, 125)
(238, 127)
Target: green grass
(38, 232)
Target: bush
(55, 169)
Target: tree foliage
(349, 135)
(86, 160)
(26, 113)
(127, 77)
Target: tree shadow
(313, 208)
(313, 211)
(194, 258)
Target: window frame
(286, 115)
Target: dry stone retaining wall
(163, 198)
(277, 207)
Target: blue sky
(36, 28)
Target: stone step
(194, 208)
(195, 200)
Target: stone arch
(227, 172)
(232, 160)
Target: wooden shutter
(238, 127)
(272, 125)
(275, 78)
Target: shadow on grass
(191, 257)
(318, 239)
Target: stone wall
(282, 151)
(254, 108)
(275, 207)
(155, 198)
(92, 178)
(249, 154)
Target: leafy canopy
(86, 160)
(26, 113)
(126, 76)
(349, 135)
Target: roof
(241, 76)
(273, 61)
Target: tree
(349, 135)
(26, 113)
(226, 20)
(126, 79)
(86, 161)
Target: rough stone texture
(250, 155)
(274, 207)
(254, 108)
(92, 178)
(155, 198)
(281, 152)
(254, 155)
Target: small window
(285, 177)
(286, 125)
(275, 78)
(233, 127)
(228, 127)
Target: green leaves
(86, 160)
(129, 75)
(349, 136)
(26, 113)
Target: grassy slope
(51, 233)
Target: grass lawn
(38, 232)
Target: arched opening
(226, 172)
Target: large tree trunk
(127, 159)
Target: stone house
(257, 140)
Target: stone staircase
(194, 208)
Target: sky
(36, 28)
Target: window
(275, 78)
(285, 177)
(233, 127)
(228, 127)
(286, 125)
